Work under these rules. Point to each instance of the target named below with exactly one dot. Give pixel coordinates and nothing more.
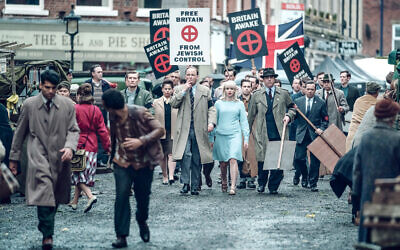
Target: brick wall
(371, 17)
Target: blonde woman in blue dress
(232, 124)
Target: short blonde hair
(231, 84)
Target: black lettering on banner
(158, 55)
(159, 25)
(248, 34)
(294, 63)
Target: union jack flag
(279, 37)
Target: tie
(192, 106)
(191, 99)
(48, 105)
(270, 93)
(308, 109)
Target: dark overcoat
(377, 156)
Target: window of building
(25, 7)
(95, 8)
(145, 6)
(396, 36)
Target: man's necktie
(191, 99)
(308, 109)
(270, 93)
(48, 105)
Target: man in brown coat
(49, 122)
(135, 150)
(267, 109)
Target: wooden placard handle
(281, 148)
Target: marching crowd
(192, 126)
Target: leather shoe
(273, 192)
(208, 181)
(90, 204)
(171, 182)
(296, 181)
(185, 189)
(314, 189)
(119, 243)
(261, 189)
(251, 185)
(304, 183)
(144, 232)
(194, 192)
(47, 243)
(242, 185)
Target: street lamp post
(72, 28)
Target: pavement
(296, 218)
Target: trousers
(191, 162)
(46, 216)
(141, 179)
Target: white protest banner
(189, 36)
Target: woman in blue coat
(231, 125)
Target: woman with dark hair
(91, 123)
(167, 117)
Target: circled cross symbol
(294, 65)
(164, 31)
(249, 34)
(161, 63)
(189, 33)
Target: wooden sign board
(272, 155)
(322, 149)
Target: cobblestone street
(294, 219)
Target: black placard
(159, 25)
(158, 55)
(248, 34)
(294, 64)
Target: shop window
(145, 6)
(95, 8)
(25, 7)
(396, 36)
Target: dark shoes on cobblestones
(208, 181)
(185, 189)
(273, 192)
(314, 189)
(304, 183)
(251, 185)
(242, 185)
(47, 243)
(261, 189)
(144, 232)
(120, 243)
(296, 181)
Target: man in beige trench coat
(270, 109)
(196, 117)
(49, 122)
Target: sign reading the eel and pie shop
(190, 36)
(158, 55)
(248, 34)
(159, 25)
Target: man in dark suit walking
(351, 93)
(315, 110)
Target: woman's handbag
(246, 165)
(8, 183)
(78, 161)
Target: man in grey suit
(335, 113)
(315, 110)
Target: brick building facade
(371, 27)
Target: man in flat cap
(335, 112)
(361, 106)
(270, 109)
(377, 156)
